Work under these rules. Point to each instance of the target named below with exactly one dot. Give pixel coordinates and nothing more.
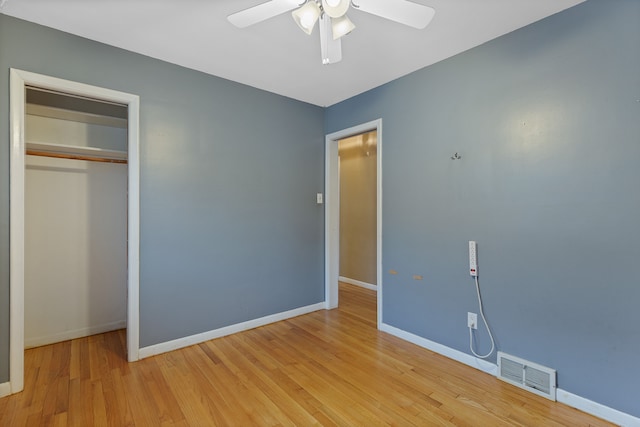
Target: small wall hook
(456, 156)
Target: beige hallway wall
(358, 207)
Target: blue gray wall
(230, 230)
(547, 121)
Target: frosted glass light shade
(341, 26)
(306, 16)
(335, 8)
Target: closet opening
(75, 282)
(70, 142)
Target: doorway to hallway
(332, 211)
(358, 167)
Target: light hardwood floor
(324, 368)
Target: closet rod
(74, 157)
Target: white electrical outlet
(472, 320)
(473, 258)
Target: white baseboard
(164, 347)
(562, 396)
(358, 283)
(596, 409)
(5, 389)
(457, 355)
(71, 335)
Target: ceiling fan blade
(405, 12)
(261, 12)
(331, 49)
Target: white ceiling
(276, 55)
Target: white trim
(5, 389)
(156, 349)
(18, 80)
(133, 231)
(358, 283)
(459, 356)
(379, 218)
(331, 223)
(597, 409)
(16, 232)
(77, 333)
(332, 212)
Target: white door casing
(19, 79)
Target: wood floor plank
(99, 405)
(79, 412)
(259, 369)
(263, 391)
(192, 402)
(327, 368)
(119, 408)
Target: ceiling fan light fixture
(335, 8)
(306, 16)
(331, 17)
(341, 26)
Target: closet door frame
(19, 80)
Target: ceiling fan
(332, 17)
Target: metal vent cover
(527, 375)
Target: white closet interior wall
(75, 234)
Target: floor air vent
(527, 375)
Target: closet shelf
(76, 152)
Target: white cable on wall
(485, 324)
